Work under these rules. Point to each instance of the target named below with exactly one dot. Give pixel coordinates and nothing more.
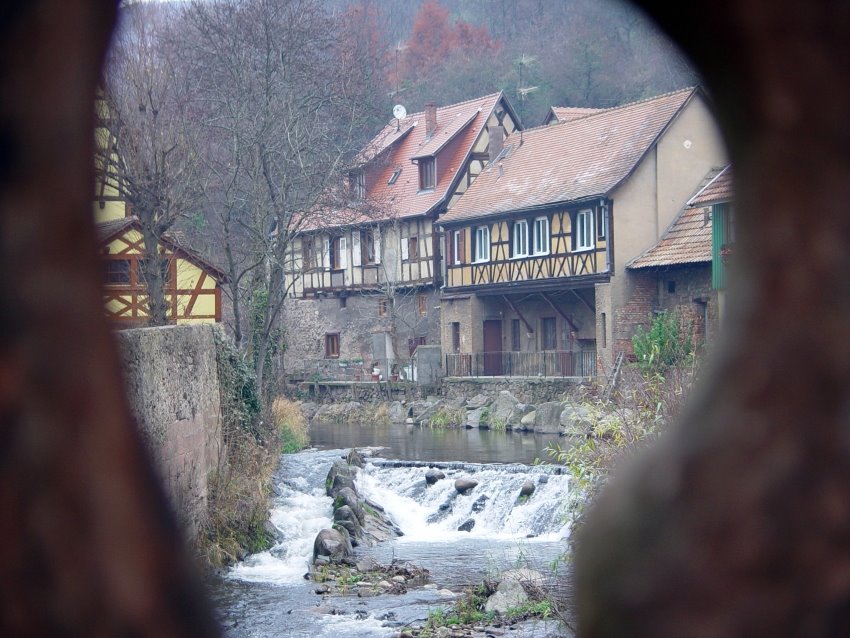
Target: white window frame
(540, 236)
(520, 239)
(584, 230)
(482, 244)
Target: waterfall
(433, 513)
(426, 514)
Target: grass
(446, 417)
(290, 425)
(382, 415)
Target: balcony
(522, 364)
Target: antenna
(399, 113)
(524, 91)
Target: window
(455, 336)
(427, 173)
(308, 254)
(382, 307)
(414, 343)
(343, 302)
(671, 287)
(394, 177)
(482, 244)
(541, 236)
(332, 345)
(422, 302)
(339, 258)
(516, 338)
(413, 248)
(520, 239)
(368, 247)
(583, 235)
(604, 330)
(549, 335)
(456, 247)
(358, 182)
(117, 272)
(602, 222)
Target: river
(266, 595)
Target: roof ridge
(448, 106)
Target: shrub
(668, 342)
(447, 417)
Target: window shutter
(356, 257)
(405, 250)
(343, 254)
(511, 238)
(461, 247)
(377, 235)
(450, 254)
(326, 253)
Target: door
(492, 347)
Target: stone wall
(527, 390)
(171, 379)
(688, 291)
(365, 334)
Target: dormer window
(427, 173)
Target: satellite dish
(399, 112)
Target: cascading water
(269, 590)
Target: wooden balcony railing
(521, 364)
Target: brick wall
(640, 301)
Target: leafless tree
(147, 151)
(286, 94)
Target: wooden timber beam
(586, 303)
(519, 314)
(563, 314)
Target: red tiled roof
(458, 128)
(567, 113)
(687, 240)
(718, 190)
(582, 158)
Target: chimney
(430, 119)
(497, 141)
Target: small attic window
(427, 173)
(394, 177)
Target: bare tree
(286, 95)
(149, 153)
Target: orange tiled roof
(718, 190)
(687, 240)
(581, 158)
(458, 128)
(567, 113)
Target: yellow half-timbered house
(365, 279)
(192, 285)
(532, 284)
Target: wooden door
(492, 347)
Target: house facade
(364, 281)
(535, 277)
(192, 285)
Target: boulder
(346, 517)
(467, 526)
(433, 475)
(527, 489)
(543, 479)
(516, 415)
(421, 411)
(575, 421)
(309, 409)
(473, 417)
(355, 458)
(332, 545)
(340, 475)
(526, 423)
(398, 412)
(478, 401)
(480, 503)
(547, 419)
(514, 585)
(348, 497)
(464, 485)
(503, 407)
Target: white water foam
(299, 516)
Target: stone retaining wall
(171, 379)
(527, 389)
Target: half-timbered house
(192, 285)
(365, 279)
(534, 277)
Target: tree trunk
(153, 266)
